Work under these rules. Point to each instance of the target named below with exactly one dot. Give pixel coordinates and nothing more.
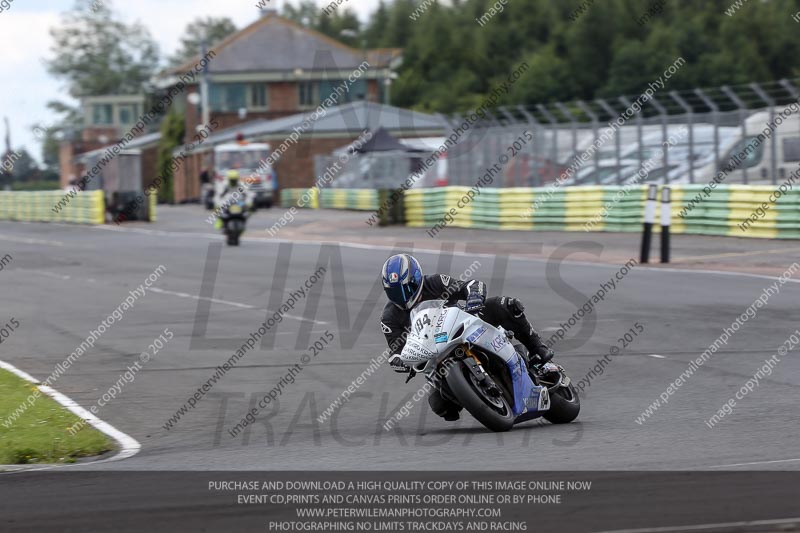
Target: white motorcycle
(475, 365)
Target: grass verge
(40, 434)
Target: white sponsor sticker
(544, 400)
(413, 351)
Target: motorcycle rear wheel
(564, 405)
(486, 411)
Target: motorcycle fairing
(528, 396)
(435, 331)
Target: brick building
(274, 68)
(106, 119)
(338, 127)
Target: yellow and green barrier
(292, 197)
(596, 208)
(37, 206)
(611, 208)
(353, 199)
(151, 213)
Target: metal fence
(749, 133)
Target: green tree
(629, 71)
(97, 54)
(377, 27)
(306, 13)
(173, 129)
(212, 30)
(614, 47)
(343, 25)
(25, 167)
(545, 80)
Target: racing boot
(540, 354)
(538, 351)
(446, 409)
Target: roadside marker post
(666, 221)
(649, 220)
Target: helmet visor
(403, 295)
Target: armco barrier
(37, 206)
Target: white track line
(189, 296)
(656, 356)
(62, 277)
(193, 297)
(756, 463)
(381, 247)
(128, 445)
(26, 240)
(233, 304)
(701, 527)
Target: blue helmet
(402, 280)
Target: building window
(313, 93)
(358, 90)
(227, 96)
(309, 93)
(258, 96)
(103, 114)
(128, 114)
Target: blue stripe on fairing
(522, 383)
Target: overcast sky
(25, 41)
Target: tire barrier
(151, 214)
(292, 197)
(595, 208)
(86, 207)
(610, 209)
(352, 199)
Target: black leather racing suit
(508, 313)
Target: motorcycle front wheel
(493, 412)
(235, 229)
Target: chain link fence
(747, 134)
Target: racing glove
(398, 365)
(476, 296)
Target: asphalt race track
(65, 280)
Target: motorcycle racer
(406, 286)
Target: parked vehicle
(250, 160)
(785, 141)
(680, 157)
